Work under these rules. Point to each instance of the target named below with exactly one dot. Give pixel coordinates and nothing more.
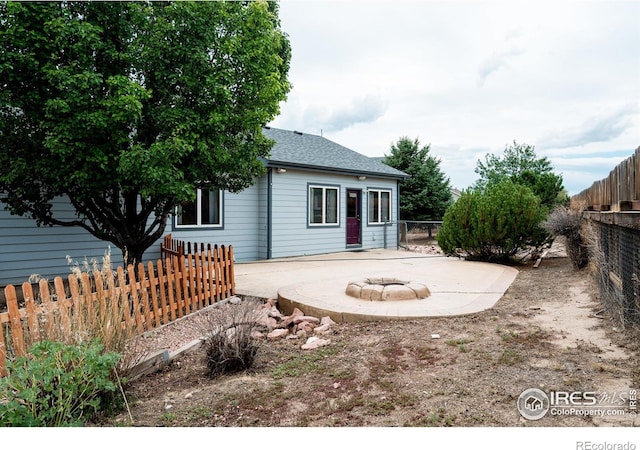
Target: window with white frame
(379, 206)
(323, 205)
(205, 211)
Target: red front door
(353, 216)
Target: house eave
(334, 170)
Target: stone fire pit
(387, 289)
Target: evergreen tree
(426, 194)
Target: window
(205, 211)
(323, 205)
(379, 206)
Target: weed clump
(230, 345)
(57, 384)
(567, 222)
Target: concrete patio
(316, 284)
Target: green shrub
(57, 384)
(493, 223)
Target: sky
(469, 78)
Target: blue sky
(469, 78)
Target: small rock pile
(295, 326)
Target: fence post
(14, 320)
(3, 353)
(32, 316)
(62, 305)
(232, 273)
(163, 284)
(153, 287)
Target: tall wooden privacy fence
(612, 209)
(150, 295)
(620, 191)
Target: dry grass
(99, 312)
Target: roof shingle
(308, 151)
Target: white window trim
(378, 220)
(324, 206)
(198, 223)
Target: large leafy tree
(520, 164)
(125, 107)
(426, 194)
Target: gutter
(288, 165)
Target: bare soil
(548, 331)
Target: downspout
(398, 214)
(269, 214)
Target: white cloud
(602, 128)
(469, 78)
(360, 110)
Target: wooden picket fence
(620, 191)
(154, 295)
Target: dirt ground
(547, 332)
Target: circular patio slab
(316, 284)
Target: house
(316, 197)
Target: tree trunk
(132, 254)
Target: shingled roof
(294, 149)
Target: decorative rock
(274, 312)
(372, 292)
(297, 312)
(270, 303)
(301, 333)
(315, 342)
(386, 289)
(322, 329)
(306, 326)
(310, 319)
(398, 292)
(235, 300)
(327, 319)
(278, 333)
(269, 322)
(421, 290)
(354, 289)
(287, 321)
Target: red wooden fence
(153, 295)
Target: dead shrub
(567, 222)
(229, 343)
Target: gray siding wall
(291, 233)
(27, 249)
(244, 224)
